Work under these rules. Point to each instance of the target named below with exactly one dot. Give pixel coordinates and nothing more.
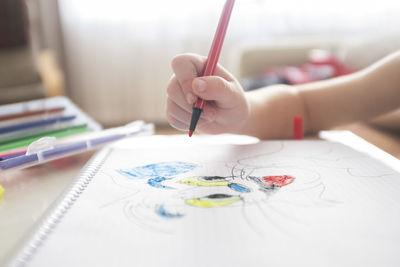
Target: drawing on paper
(162, 169)
(157, 173)
(161, 211)
(241, 185)
(213, 200)
(268, 183)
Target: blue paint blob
(161, 211)
(161, 169)
(239, 188)
(157, 182)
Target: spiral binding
(59, 209)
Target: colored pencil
(30, 118)
(14, 143)
(12, 155)
(90, 142)
(212, 59)
(35, 124)
(30, 113)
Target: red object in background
(322, 65)
(279, 181)
(320, 57)
(298, 128)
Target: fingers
(226, 94)
(180, 118)
(178, 113)
(185, 71)
(221, 91)
(177, 124)
(189, 66)
(175, 94)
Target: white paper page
(274, 203)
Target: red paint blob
(279, 181)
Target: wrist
(251, 126)
(272, 110)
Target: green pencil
(22, 141)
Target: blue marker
(34, 124)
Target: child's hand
(226, 109)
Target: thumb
(224, 93)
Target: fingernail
(200, 85)
(190, 98)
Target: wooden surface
(388, 141)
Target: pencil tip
(190, 133)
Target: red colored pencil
(212, 59)
(30, 113)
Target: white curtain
(118, 52)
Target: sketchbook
(224, 201)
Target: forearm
(389, 121)
(355, 97)
(325, 104)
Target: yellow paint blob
(206, 202)
(200, 181)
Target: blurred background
(112, 57)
